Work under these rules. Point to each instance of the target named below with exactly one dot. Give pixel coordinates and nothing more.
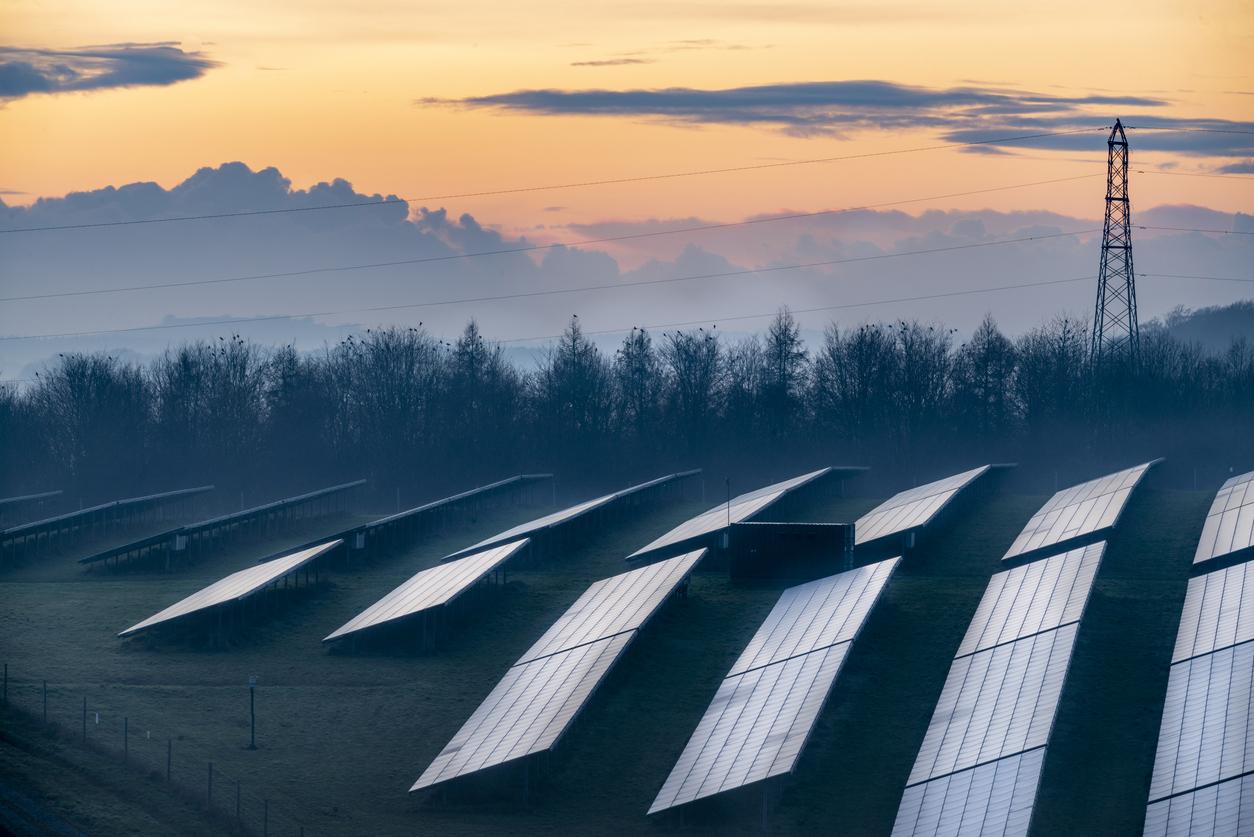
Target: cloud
(26, 72)
(984, 115)
(1243, 167)
(612, 62)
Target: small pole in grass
(6, 684)
(252, 712)
(169, 756)
(45, 701)
(126, 739)
(265, 818)
(237, 800)
(84, 719)
(209, 791)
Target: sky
(437, 102)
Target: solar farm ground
(341, 737)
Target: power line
(554, 186)
(1216, 175)
(1187, 130)
(1194, 230)
(531, 248)
(1195, 276)
(557, 291)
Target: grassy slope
(342, 737)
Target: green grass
(343, 736)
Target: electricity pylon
(1116, 333)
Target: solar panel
(815, 615)
(541, 694)
(1078, 511)
(1222, 810)
(1208, 730)
(565, 515)
(615, 605)
(740, 508)
(1229, 525)
(762, 714)
(1218, 612)
(1035, 597)
(527, 712)
(996, 703)
(912, 509)
(430, 588)
(755, 727)
(234, 587)
(992, 800)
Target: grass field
(341, 737)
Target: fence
(160, 756)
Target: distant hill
(1215, 326)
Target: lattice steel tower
(1116, 333)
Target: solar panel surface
(527, 712)
(430, 588)
(996, 703)
(913, 508)
(1208, 722)
(615, 605)
(740, 508)
(234, 587)
(1218, 612)
(765, 708)
(992, 800)
(1035, 597)
(1229, 526)
(1080, 510)
(1222, 810)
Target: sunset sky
(425, 100)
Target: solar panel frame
(1079, 511)
(1218, 612)
(815, 615)
(993, 799)
(715, 519)
(232, 588)
(22, 528)
(1039, 596)
(527, 712)
(1229, 526)
(996, 703)
(615, 605)
(788, 694)
(914, 508)
(1221, 810)
(1207, 732)
(430, 588)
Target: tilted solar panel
(1218, 612)
(996, 703)
(1035, 597)
(527, 712)
(1222, 810)
(913, 508)
(739, 509)
(992, 800)
(615, 605)
(234, 587)
(1229, 525)
(432, 587)
(1208, 722)
(765, 708)
(1078, 511)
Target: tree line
(405, 409)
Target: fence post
(45, 702)
(209, 792)
(126, 740)
(169, 753)
(265, 818)
(84, 719)
(6, 684)
(237, 800)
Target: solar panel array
(1229, 526)
(430, 588)
(766, 707)
(980, 761)
(557, 518)
(912, 509)
(234, 587)
(1079, 511)
(542, 693)
(1201, 783)
(739, 509)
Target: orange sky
(325, 89)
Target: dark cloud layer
(976, 114)
(26, 72)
